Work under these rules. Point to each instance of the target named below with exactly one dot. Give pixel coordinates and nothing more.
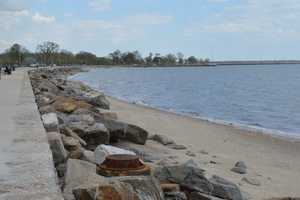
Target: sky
(216, 29)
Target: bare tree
(47, 51)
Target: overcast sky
(218, 29)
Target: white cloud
(149, 19)
(121, 30)
(253, 16)
(100, 5)
(43, 19)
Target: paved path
(26, 165)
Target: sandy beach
(273, 162)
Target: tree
(47, 52)
(192, 60)
(86, 58)
(116, 57)
(149, 59)
(16, 54)
(171, 59)
(180, 57)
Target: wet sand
(274, 162)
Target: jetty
(26, 163)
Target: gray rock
(46, 109)
(83, 118)
(79, 173)
(186, 175)
(50, 122)
(175, 196)
(162, 139)
(176, 146)
(96, 98)
(56, 145)
(88, 156)
(240, 168)
(124, 131)
(93, 135)
(251, 181)
(225, 189)
(201, 196)
(107, 114)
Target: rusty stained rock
(111, 191)
(69, 105)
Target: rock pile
(81, 130)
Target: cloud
(12, 5)
(253, 16)
(43, 19)
(121, 30)
(100, 5)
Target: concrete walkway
(26, 165)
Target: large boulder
(124, 131)
(95, 98)
(50, 122)
(56, 145)
(187, 175)
(69, 105)
(225, 189)
(93, 135)
(122, 188)
(79, 173)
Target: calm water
(264, 97)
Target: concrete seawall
(26, 163)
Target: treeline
(50, 53)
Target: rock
(50, 122)
(162, 139)
(251, 181)
(70, 143)
(203, 152)
(124, 131)
(84, 118)
(201, 196)
(240, 168)
(69, 105)
(76, 154)
(170, 187)
(68, 132)
(104, 150)
(47, 86)
(61, 169)
(122, 188)
(106, 114)
(56, 145)
(225, 189)
(96, 98)
(93, 135)
(191, 154)
(88, 156)
(46, 109)
(186, 175)
(79, 173)
(146, 187)
(175, 196)
(176, 146)
(108, 191)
